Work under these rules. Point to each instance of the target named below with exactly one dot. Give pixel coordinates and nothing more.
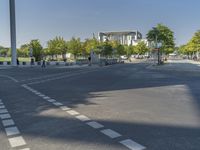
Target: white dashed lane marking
(12, 131)
(5, 116)
(46, 97)
(65, 108)
(57, 104)
(25, 149)
(83, 118)
(51, 100)
(73, 112)
(112, 134)
(8, 122)
(132, 145)
(95, 124)
(3, 111)
(17, 141)
(2, 106)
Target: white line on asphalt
(5, 116)
(46, 97)
(2, 106)
(51, 100)
(65, 108)
(60, 77)
(83, 118)
(41, 95)
(73, 112)
(37, 93)
(132, 145)
(9, 77)
(57, 104)
(8, 122)
(95, 124)
(112, 134)
(25, 149)
(3, 111)
(17, 141)
(12, 131)
(1, 103)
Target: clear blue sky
(45, 19)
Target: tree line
(59, 46)
(192, 47)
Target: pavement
(119, 107)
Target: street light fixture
(13, 32)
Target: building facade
(124, 38)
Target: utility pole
(13, 32)
(156, 43)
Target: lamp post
(156, 32)
(13, 32)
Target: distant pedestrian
(89, 59)
(32, 61)
(43, 63)
(17, 62)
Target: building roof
(119, 33)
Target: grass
(26, 59)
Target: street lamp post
(13, 32)
(156, 32)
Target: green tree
(118, 48)
(163, 35)
(57, 46)
(107, 49)
(37, 49)
(141, 48)
(75, 46)
(23, 51)
(193, 45)
(91, 44)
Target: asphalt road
(120, 107)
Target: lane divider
(128, 143)
(11, 130)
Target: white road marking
(112, 134)
(51, 100)
(57, 104)
(37, 93)
(95, 124)
(25, 149)
(8, 122)
(17, 141)
(1, 103)
(5, 116)
(65, 108)
(132, 145)
(46, 97)
(9, 77)
(2, 106)
(3, 111)
(73, 112)
(83, 118)
(41, 95)
(12, 131)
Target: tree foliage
(37, 49)
(75, 46)
(163, 35)
(57, 46)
